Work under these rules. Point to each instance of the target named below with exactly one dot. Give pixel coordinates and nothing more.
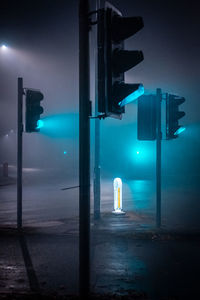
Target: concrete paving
(125, 258)
(129, 256)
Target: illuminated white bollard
(117, 184)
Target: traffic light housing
(173, 114)
(146, 118)
(33, 109)
(114, 61)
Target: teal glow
(40, 124)
(180, 130)
(141, 153)
(65, 152)
(133, 96)
(63, 125)
(144, 202)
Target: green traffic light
(40, 124)
(180, 130)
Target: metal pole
(97, 186)
(158, 158)
(84, 150)
(19, 153)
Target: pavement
(7, 180)
(130, 257)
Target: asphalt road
(45, 200)
(45, 260)
(127, 252)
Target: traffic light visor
(130, 93)
(123, 27)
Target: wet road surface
(127, 253)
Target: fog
(44, 51)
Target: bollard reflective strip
(118, 197)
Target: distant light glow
(4, 47)
(65, 152)
(133, 96)
(180, 130)
(141, 153)
(40, 124)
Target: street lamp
(4, 47)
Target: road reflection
(138, 196)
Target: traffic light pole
(19, 153)
(158, 157)
(84, 150)
(97, 187)
(97, 182)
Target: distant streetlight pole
(19, 153)
(97, 169)
(84, 150)
(158, 157)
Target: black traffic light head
(173, 115)
(113, 60)
(146, 118)
(33, 109)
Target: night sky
(42, 40)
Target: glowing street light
(4, 47)
(40, 124)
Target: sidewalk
(129, 258)
(7, 180)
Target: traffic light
(146, 118)
(173, 129)
(33, 110)
(114, 61)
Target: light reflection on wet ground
(119, 261)
(44, 199)
(179, 206)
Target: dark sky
(43, 40)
